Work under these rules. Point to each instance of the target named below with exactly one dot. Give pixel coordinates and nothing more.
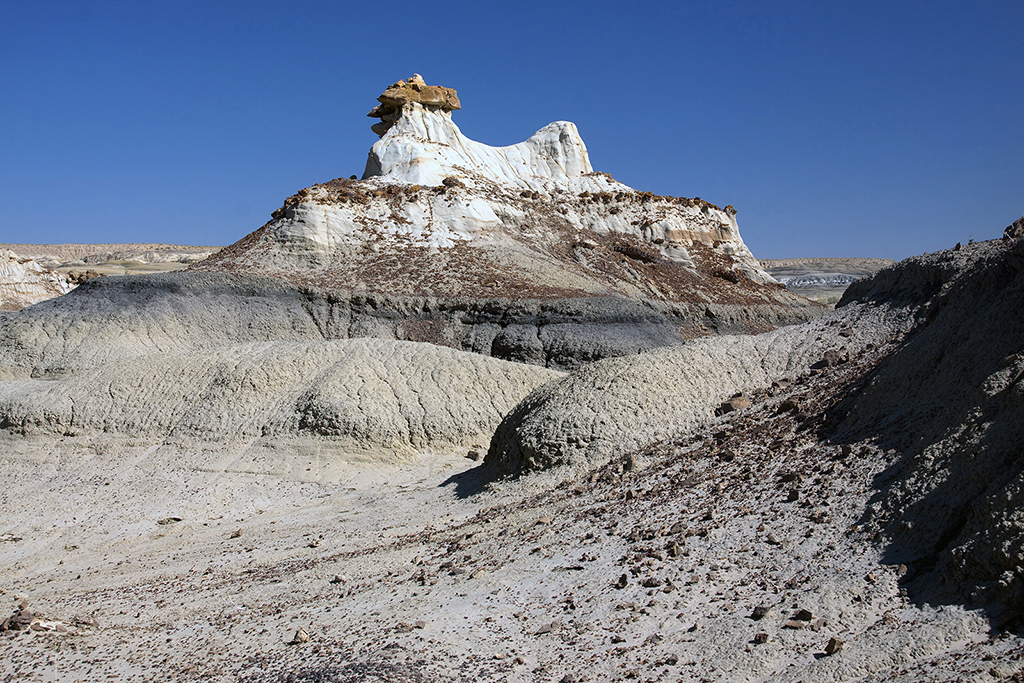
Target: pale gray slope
(619, 404)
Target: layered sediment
(441, 224)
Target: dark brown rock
(1015, 229)
(787, 406)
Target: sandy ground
(649, 569)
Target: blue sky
(880, 129)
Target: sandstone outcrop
(412, 90)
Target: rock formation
(522, 252)
(375, 400)
(24, 282)
(403, 92)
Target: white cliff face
(24, 282)
(425, 146)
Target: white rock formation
(24, 282)
(535, 194)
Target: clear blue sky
(860, 128)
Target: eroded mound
(374, 397)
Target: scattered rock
(237, 533)
(759, 613)
(793, 495)
(86, 621)
(622, 582)
(760, 638)
(21, 619)
(737, 402)
(834, 645)
(629, 463)
(300, 637)
(169, 520)
(473, 455)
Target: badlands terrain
(822, 279)
(462, 420)
(30, 273)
